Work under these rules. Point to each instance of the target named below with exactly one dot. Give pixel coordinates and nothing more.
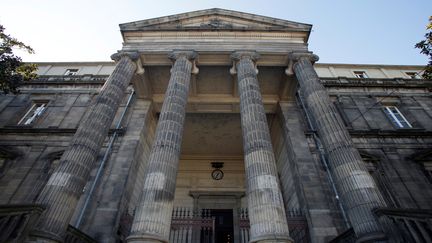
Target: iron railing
(400, 225)
(74, 235)
(189, 226)
(406, 225)
(17, 222)
(347, 236)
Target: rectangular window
(413, 75)
(396, 117)
(360, 74)
(71, 72)
(35, 111)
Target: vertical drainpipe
(103, 162)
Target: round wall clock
(217, 174)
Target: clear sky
(344, 31)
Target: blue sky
(344, 31)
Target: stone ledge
(50, 130)
(385, 133)
(374, 82)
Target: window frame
(32, 114)
(357, 74)
(71, 72)
(393, 117)
(412, 74)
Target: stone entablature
(215, 30)
(384, 72)
(214, 89)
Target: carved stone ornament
(238, 55)
(216, 24)
(132, 55)
(295, 56)
(191, 55)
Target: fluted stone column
(63, 189)
(152, 219)
(266, 209)
(357, 188)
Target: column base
(275, 241)
(373, 237)
(272, 239)
(145, 239)
(38, 236)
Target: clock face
(217, 174)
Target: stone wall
(36, 146)
(195, 175)
(304, 184)
(114, 201)
(389, 150)
(30, 153)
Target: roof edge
(130, 26)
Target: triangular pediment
(215, 19)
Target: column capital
(236, 56)
(133, 55)
(296, 56)
(191, 55)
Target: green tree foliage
(12, 70)
(425, 47)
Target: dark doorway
(224, 227)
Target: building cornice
(354, 65)
(401, 133)
(22, 130)
(185, 21)
(374, 82)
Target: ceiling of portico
(215, 34)
(214, 135)
(214, 89)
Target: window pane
(33, 113)
(360, 74)
(396, 117)
(71, 72)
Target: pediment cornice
(215, 19)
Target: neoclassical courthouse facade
(217, 126)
